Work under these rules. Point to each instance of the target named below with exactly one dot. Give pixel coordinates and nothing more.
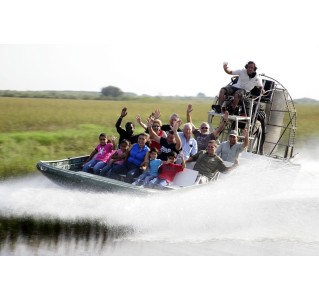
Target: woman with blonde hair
(157, 124)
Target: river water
(249, 212)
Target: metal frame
(278, 103)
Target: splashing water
(249, 206)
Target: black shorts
(231, 90)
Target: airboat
(269, 118)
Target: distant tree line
(107, 93)
(51, 94)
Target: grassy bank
(44, 129)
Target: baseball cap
(234, 133)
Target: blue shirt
(154, 165)
(137, 155)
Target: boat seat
(268, 87)
(182, 179)
(121, 176)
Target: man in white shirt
(189, 144)
(247, 80)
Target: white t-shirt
(245, 82)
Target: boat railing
(277, 135)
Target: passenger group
(153, 158)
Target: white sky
(156, 47)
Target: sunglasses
(204, 127)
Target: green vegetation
(52, 94)
(307, 122)
(46, 129)
(112, 91)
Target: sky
(156, 47)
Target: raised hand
(189, 108)
(156, 114)
(123, 112)
(176, 125)
(138, 119)
(179, 122)
(150, 122)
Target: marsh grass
(47, 129)
(307, 122)
(19, 114)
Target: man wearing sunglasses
(202, 134)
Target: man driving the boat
(247, 80)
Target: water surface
(249, 212)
